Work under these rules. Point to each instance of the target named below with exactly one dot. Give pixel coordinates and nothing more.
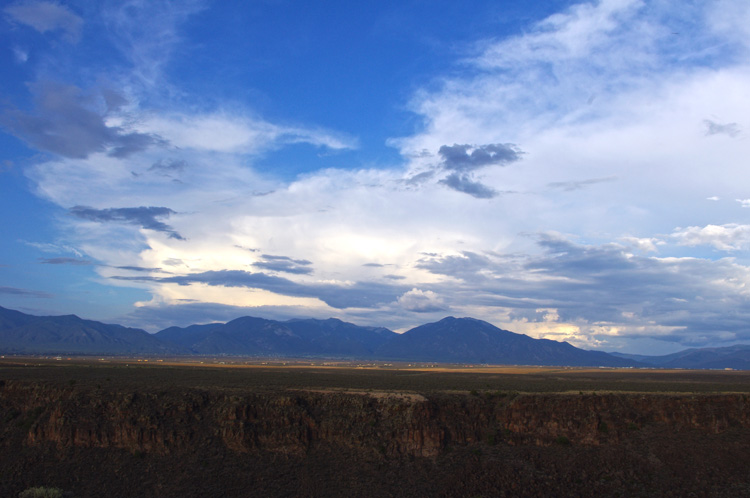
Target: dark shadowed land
(161, 428)
(273, 374)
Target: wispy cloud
(284, 264)
(65, 261)
(572, 186)
(47, 16)
(14, 291)
(713, 128)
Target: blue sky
(569, 170)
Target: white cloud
(220, 132)
(643, 244)
(609, 108)
(146, 32)
(20, 55)
(421, 301)
(730, 237)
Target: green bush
(563, 441)
(41, 492)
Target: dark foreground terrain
(119, 429)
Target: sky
(576, 171)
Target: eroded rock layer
(329, 443)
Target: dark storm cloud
(13, 291)
(65, 123)
(358, 295)
(579, 185)
(145, 217)
(284, 264)
(462, 183)
(65, 261)
(470, 157)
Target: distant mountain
(475, 341)
(69, 334)
(341, 338)
(737, 357)
(186, 337)
(450, 340)
(257, 336)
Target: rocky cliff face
(392, 425)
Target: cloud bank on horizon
(576, 175)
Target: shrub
(41, 492)
(562, 441)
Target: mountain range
(450, 340)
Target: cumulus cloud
(592, 286)
(145, 217)
(421, 301)
(729, 237)
(647, 244)
(599, 92)
(47, 16)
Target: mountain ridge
(449, 340)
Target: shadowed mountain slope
(475, 341)
(69, 334)
(737, 357)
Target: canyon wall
(393, 424)
(375, 431)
